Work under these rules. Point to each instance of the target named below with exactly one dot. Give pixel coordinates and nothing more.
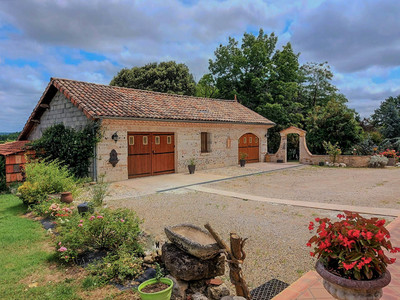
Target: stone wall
(61, 111)
(350, 160)
(224, 144)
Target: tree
(387, 117)
(334, 123)
(206, 87)
(165, 77)
(244, 70)
(317, 88)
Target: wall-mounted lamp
(115, 137)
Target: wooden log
(235, 256)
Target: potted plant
(192, 166)
(242, 159)
(158, 288)
(350, 255)
(391, 156)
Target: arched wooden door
(249, 144)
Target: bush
(3, 185)
(99, 191)
(44, 178)
(332, 150)
(53, 208)
(72, 148)
(118, 265)
(378, 161)
(105, 230)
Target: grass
(27, 268)
(23, 253)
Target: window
(145, 140)
(256, 140)
(244, 140)
(169, 139)
(157, 140)
(205, 142)
(131, 140)
(250, 140)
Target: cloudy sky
(91, 40)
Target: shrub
(99, 191)
(3, 185)
(118, 265)
(53, 208)
(105, 230)
(72, 148)
(378, 161)
(353, 246)
(332, 150)
(389, 153)
(44, 178)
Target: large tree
(165, 77)
(244, 70)
(333, 122)
(387, 117)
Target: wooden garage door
(249, 144)
(150, 153)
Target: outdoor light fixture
(115, 137)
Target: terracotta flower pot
(346, 289)
(66, 197)
(391, 161)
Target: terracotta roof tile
(12, 147)
(111, 101)
(104, 101)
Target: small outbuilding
(14, 154)
(148, 133)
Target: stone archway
(281, 154)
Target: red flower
(340, 216)
(380, 236)
(349, 266)
(311, 226)
(380, 223)
(312, 253)
(317, 219)
(368, 235)
(392, 260)
(308, 244)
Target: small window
(205, 142)
(244, 140)
(169, 139)
(131, 140)
(157, 140)
(145, 140)
(250, 140)
(256, 140)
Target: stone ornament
(113, 158)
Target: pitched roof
(12, 147)
(104, 101)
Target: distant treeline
(8, 136)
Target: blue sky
(92, 40)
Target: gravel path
(352, 186)
(277, 234)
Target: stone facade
(224, 144)
(61, 111)
(357, 161)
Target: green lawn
(23, 253)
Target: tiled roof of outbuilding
(104, 101)
(12, 147)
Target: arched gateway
(281, 154)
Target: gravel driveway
(352, 186)
(276, 234)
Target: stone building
(148, 133)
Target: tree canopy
(387, 117)
(164, 77)
(273, 83)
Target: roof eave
(184, 120)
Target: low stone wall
(357, 161)
(350, 160)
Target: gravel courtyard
(276, 234)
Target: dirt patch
(155, 287)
